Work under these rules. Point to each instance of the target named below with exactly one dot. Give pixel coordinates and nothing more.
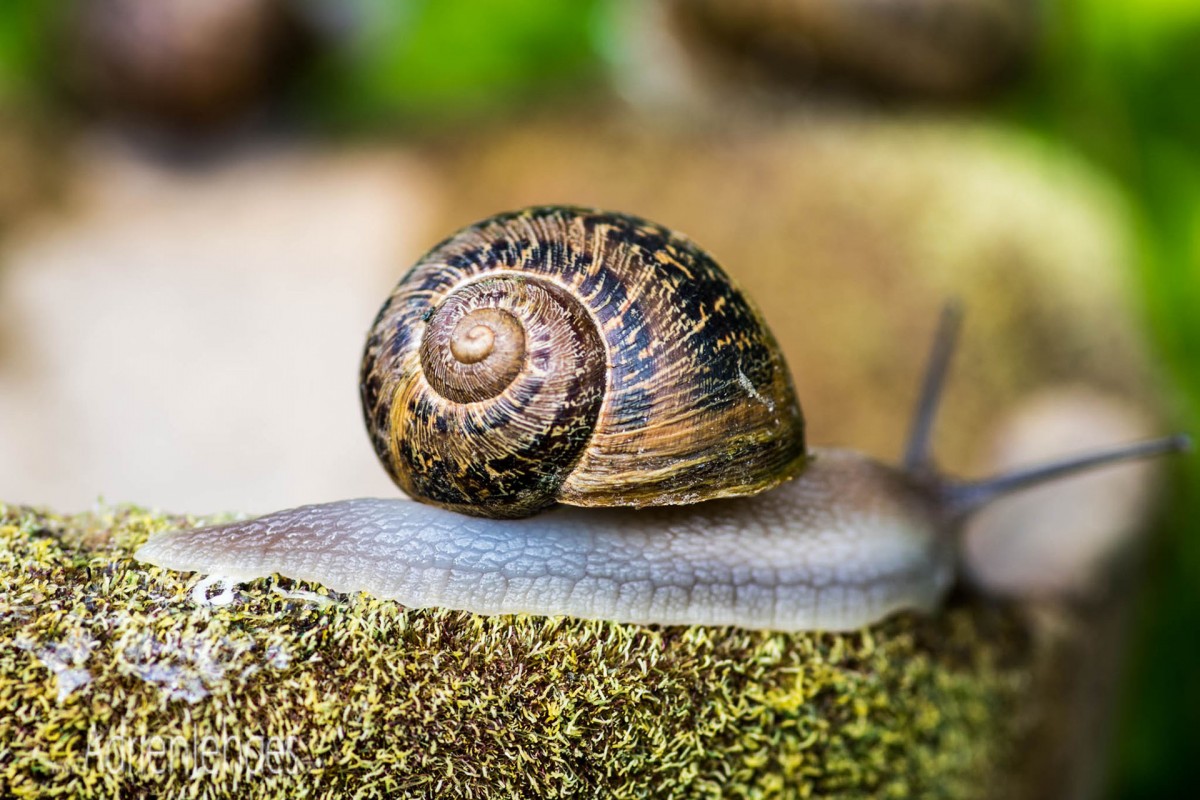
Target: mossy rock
(121, 679)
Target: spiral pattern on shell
(559, 354)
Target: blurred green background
(1118, 83)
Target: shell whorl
(565, 355)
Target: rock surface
(121, 679)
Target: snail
(596, 422)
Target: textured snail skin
(842, 546)
(565, 355)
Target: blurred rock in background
(1017, 544)
(721, 51)
(192, 338)
(189, 66)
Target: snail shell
(563, 355)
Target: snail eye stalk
(962, 498)
(918, 455)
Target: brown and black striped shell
(565, 355)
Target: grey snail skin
(593, 421)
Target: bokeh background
(203, 204)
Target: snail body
(566, 356)
(819, 552)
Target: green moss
(114, 679)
